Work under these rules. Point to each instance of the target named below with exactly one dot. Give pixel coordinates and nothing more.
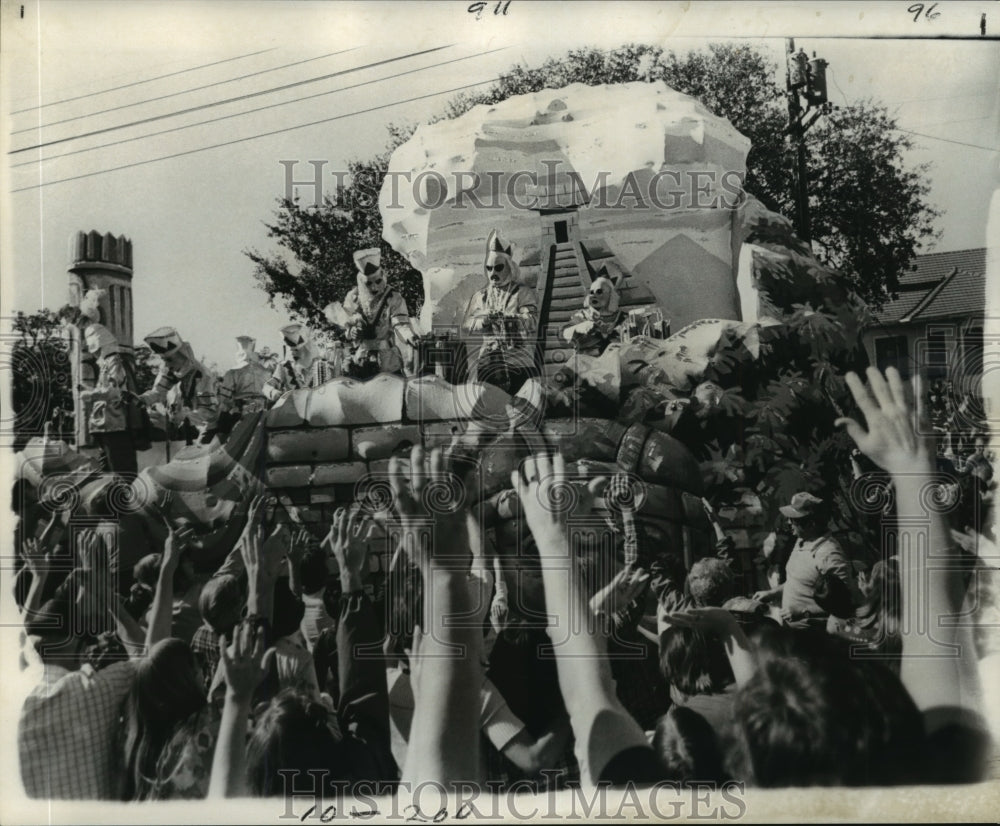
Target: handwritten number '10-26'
(928, 12)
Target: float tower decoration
(99, 262)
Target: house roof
(939, 285)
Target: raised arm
(39, 563)
(363, 691)
(161, 614)
(263, 559)
(937, 667)
(602, 728)
(718, 621)
(445, 662)
(245, 665)
(296, 551)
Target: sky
(119, 94)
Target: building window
(892, 351)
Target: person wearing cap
(241, 390)
(194, 382)
(114, 419)
(377, 320)
(503, 317)
(978, 464)
(598, 324)
(816, 555)
(305, 366)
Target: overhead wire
(140, 82)
(257, 136)
(181, 92)
(252, 111)
(237, 99)
(947, 140)
(923, 134)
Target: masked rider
(306, 366)
(195, 382)
(598, 324)
(377, 320)
(113, 416)
(241, 390)
(502, 317)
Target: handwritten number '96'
(928, 12)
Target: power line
(140, 82)
(182, 92)
(943, 97)
(255, 137)
(833, 77)
(947, 140)
(236, 99)
(962, 120)
(253, 111)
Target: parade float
(718, 300)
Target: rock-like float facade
(577, 156)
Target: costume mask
(245, 351)
(296, 338)
(99, 340)
(169, 346)
(497, 268)
(90, 305)
(499, 265)
(603, 297)
(176, 362)
(375, 283)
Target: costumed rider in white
(598, 324)
(503, 316)
(198, 401)
(377, 320)
(111, 407)
(304, 366)
(241, 391)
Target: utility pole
(805, 84)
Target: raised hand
(499, 611)
(300, 541)
(53, 530)
(890, 440)
(348, 542)
(177, 541)
(36, 558)
(432, 505)
(88, 548)
(244, 660)
(721, 623)
(548, 499)
(262, 557)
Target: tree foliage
(146, 367)
(41, 382)
(42, 377)
(316, 263)
(869, 211)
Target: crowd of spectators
(279, 671)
